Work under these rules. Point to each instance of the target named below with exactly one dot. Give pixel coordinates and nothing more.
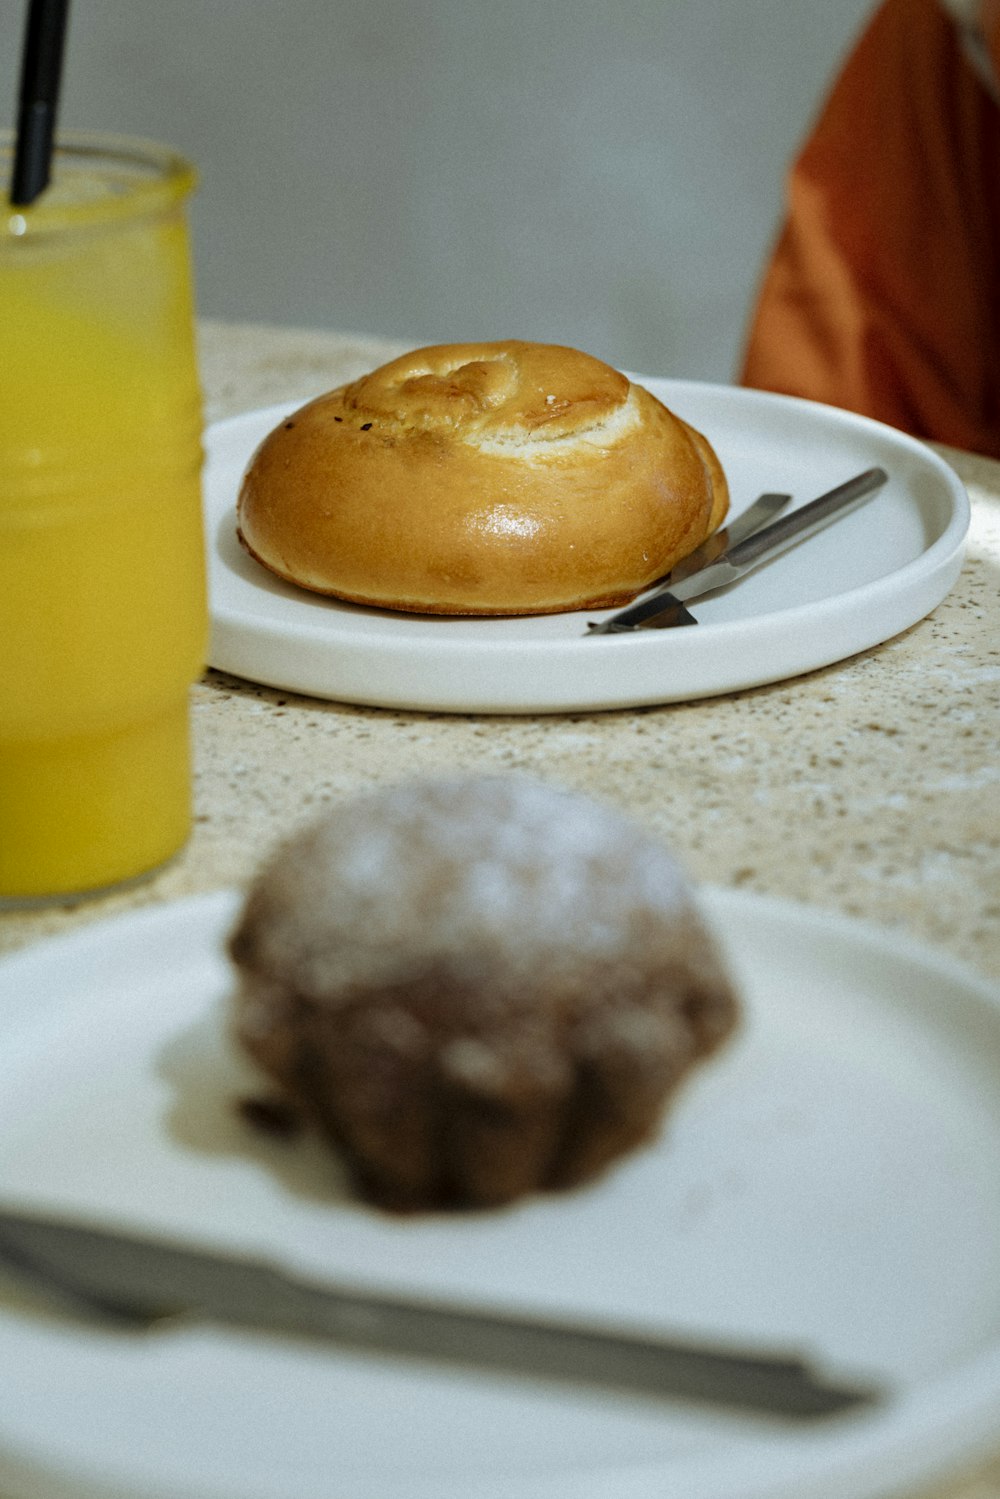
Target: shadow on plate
(213, 1089)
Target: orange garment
(883, 293)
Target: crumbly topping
(495, 872)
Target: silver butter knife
(764, 509)
(665, 606)
(135, 1281)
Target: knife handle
(803, 522)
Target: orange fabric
(883, 293)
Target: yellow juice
(103, 615)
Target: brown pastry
(478, 987)
(497, 478)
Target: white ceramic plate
(830, 1181)
(873, 574)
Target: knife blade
(133, 1281)
(765, 508)
(770, 541)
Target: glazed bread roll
(477, 987)
(496, 478)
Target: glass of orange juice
(103, 615)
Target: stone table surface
(868, 788)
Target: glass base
(69, 900)
(81, 816)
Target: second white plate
(828, 1182)
(866, 578)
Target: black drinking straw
(38, 100)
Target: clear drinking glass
(103, 614)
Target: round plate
(862, 580)
(828, 1182)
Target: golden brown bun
(497, 478)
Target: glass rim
(169, 178)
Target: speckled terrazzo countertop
(870, 788)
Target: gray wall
(602, 174)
